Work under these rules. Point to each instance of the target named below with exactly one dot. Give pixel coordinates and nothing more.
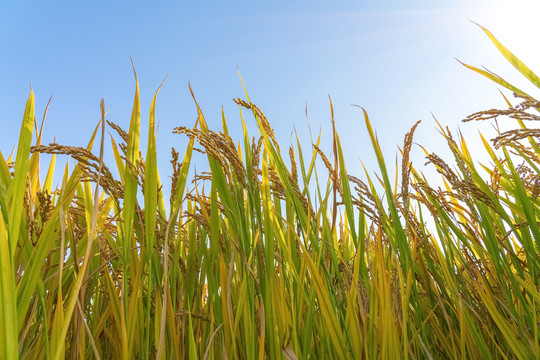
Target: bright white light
(515, 24)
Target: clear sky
(395, 58)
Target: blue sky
(394, 58)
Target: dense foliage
(264, 257)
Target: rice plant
(271, 253)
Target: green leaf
(518, 64)
(18, 185)
(8, 298)
(496, 78)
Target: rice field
(273, 253)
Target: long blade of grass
(518, 64)
(18, 185)
(496, 78)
